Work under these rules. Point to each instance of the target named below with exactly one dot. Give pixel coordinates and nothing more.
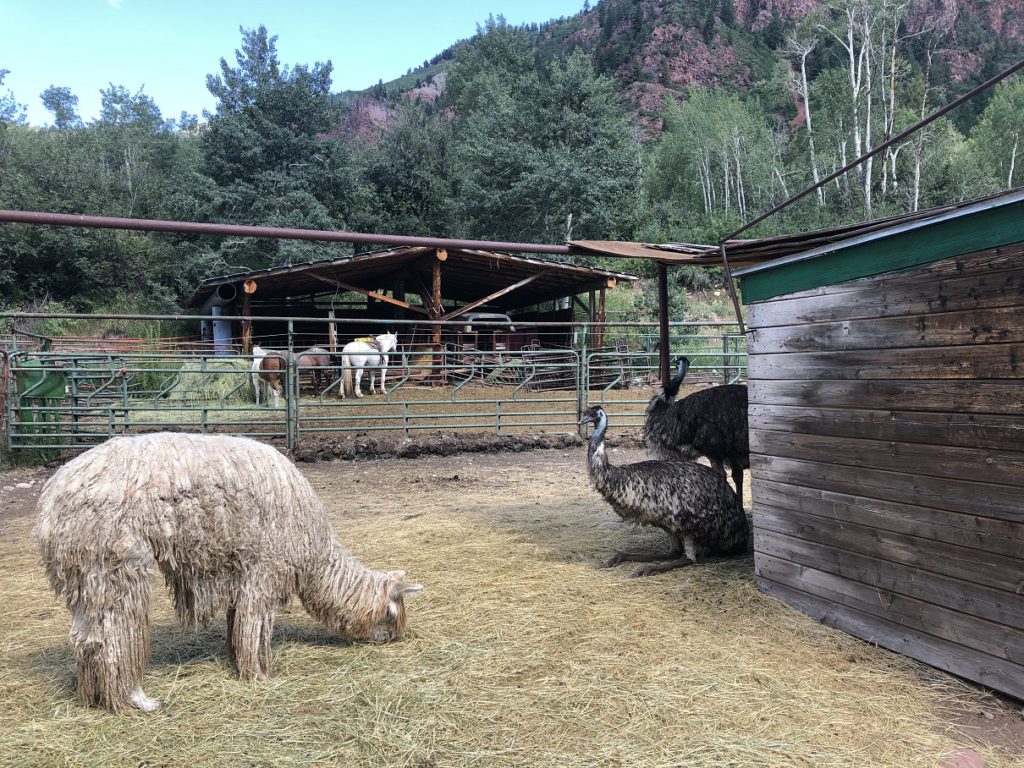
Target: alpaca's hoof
(146, 704)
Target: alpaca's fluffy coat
(229, 522)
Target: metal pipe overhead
(239, 230)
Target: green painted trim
(979, 231)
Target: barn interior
(502, 298)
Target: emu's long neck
(344, 595)
(597, 459)
(672, 388)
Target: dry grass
(521, 652)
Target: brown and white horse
(269, 369)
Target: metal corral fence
(73, 394)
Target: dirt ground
(444, 479)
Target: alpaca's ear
(403, 589)
(396, 575)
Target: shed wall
(887, 450)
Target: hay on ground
(520, 652)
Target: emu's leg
(737, 480)
(250, 628)
(683, 553)
(110, 639)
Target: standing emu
(692, 503)
(229, 522)
(711, 422)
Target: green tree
(265, 154)
(64, 106)
(410, 173)
(11, 111)
(545, 154)
(997, 140)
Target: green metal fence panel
(62, 400)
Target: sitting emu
(229, 522)
(711, 422)
(692, 503)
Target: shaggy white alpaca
(230, 523)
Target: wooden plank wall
(887, 452)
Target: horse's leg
(275, 386)
(256, 385)
(358, 381)
(383, 373)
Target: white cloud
(115, 4)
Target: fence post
(291, 389)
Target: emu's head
(392, 623)
(593, 415)
(672, 388)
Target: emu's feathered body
(229, 522)
(711, 423)
(692, 503)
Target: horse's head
(387, 341)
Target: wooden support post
(663, 322)
(436, 310)
(248, 289)
(332, 333)
(601, 318)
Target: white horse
(361, 354)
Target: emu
(229, 522)
(711, 423)
(692, 503)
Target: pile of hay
(210, 380)
(521, 652)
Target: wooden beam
(436, 300)
(370, 294)
(442, 254)
(246, 324)
(495, 295)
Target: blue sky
(167, 48)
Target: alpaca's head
(391, 624)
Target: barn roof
(467, 276)
(886, 245)
(752, 255)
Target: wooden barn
(886, 382)
(408, 284)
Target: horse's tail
(345, 386)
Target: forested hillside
(653, 120)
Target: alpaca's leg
(250, 629)
(230, 644)
(110, 640)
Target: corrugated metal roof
(467, 275)
(748, 255)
